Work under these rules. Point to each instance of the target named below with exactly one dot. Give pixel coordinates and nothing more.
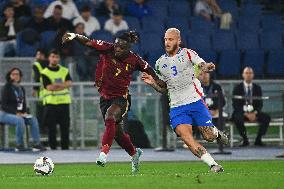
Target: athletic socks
(125, 142)
(206, 158)
(108, 135)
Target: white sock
(207, 158)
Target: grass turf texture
(238, 174)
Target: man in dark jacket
(249, 109)
(14, 110)
(9, 27)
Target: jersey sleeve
(101, 45)
(193, 57)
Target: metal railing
(86, 119)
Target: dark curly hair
(130, 37)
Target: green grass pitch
(160, 175)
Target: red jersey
(113, 75)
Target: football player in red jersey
(112, 78)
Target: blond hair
(174, 30)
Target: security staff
(39, 64)
(56, 98)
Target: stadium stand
(275, 63)
(255, 59)
(229, 64)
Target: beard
(173, 49)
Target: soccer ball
(43, 166)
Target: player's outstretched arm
(159, 85)
(207, 67)
(82, 39)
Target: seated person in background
(38, 22)
(106, 8)
(209, 9)
(70, 10)
(57, 22)
(248, 109)
(80, 55)
(116, 23)
(212, 88)
(139, 9)
(9, 27)
(21, 8)
(91, 23)
(14, 110)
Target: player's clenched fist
(68, 37)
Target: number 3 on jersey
(175, 72)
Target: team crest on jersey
(181, 59)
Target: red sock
(109, 135)
(125, 142)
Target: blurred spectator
(39, 64)
(9, 27)
(106, 8)
(139, 9)
(38, 22)
(14, 110)
(57, 22)
(80, 53)
(116, 23)
(69, 9)
(249, 109)
(91, 24)
(56, 81)
(210, 89)
(21, 8)
(209, 9)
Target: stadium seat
(160, 12)
(150, 42)
(154, 56)
(152, 25)
(247, 40)
(255, 59)
(222, 40)
(249, 23)
(179, 23)
(251, 10)
(199, 24)
(208, 55)
(275, 63)
(272, 23)
(102, 35)
(229, 64)
(47, 39)
(133, 23)
(23, 48)
(199, 41)
(102, 20)
(230, 6)
(180, 9)
(271, 40)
